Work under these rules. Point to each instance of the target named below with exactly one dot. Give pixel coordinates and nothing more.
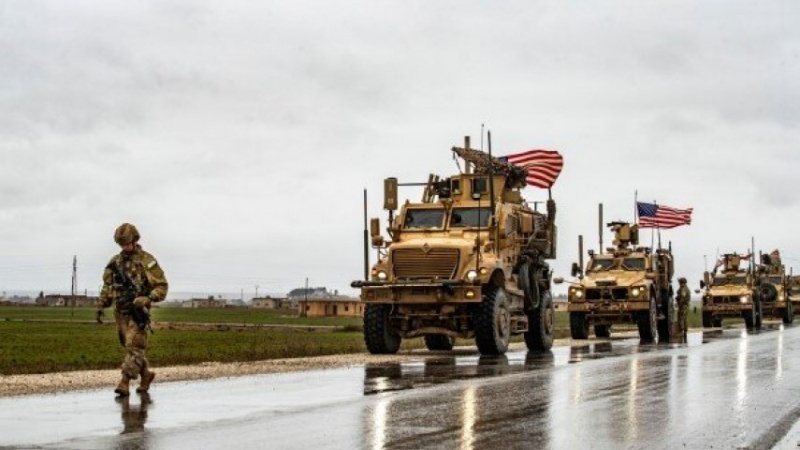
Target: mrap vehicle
(467, 261)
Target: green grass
(41, 340)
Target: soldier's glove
(141, 302)
(98, 315)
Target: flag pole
(636, 207)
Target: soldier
(683, 297)
(132, 280)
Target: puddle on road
(439, 369)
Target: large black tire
(541, 325)
(749, 318)
(788, 313)
(578, 326)
(378, 334)
(439, 342)
(647, 322)
(602, 331)
(708, 320)
(759, 315)
(663, 323)
(768, 292)
(492, 320)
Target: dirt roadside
(15, 385)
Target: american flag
(542, 166)
(660, 216)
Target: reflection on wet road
(726, 389)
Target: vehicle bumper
(419, 293)
(732, 307)
(616, 307)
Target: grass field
(41, 340)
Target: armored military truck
(730, 293)
(793, 292)
(467, 261)
(772, 288)
(626, 284)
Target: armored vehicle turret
(467, 261)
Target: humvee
(730, 294)
(627, 283)
(772, 288)
(467, 261)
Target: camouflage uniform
(683, 298)
(151, 285)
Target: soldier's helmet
(682, 280)
(126, 234)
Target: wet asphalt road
(728, 389)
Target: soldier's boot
(123, 388)
(147, 378)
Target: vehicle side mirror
(576, 270)
(375, 232)
(702, 284)
(558, 280)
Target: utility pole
(256, 291)
(74, 284)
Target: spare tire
(768, 292)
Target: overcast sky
(239, 136)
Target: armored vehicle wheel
(749, 318)
(788, 314)
(439, 342)
(602, 331)
(541, 324)
(578, 326)
(759, 315)
(664, 320)
(708, 321)
(648, 322)
(492, 320)
(378, 334)
(768, 292)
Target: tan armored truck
(771, 285)
(793, 292)
(730, 293)
(626, 284)
(467, 261)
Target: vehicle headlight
(743, 299)
(382, 275)
(635, 292)
(577, 293)
(472, 275)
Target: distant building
(271, 303)
(209, 302)
(331, 307)
(77, 301)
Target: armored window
(469, 217)
(479, 185)
(596, 264)
(424, 218)
(633, 263)
(775, 280)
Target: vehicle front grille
(725, 299)
(415, 263)
(607, 294)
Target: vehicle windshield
(633, 263)
(738, 279)
(424, 218)
(775, 280)
(470, 217)
(598, 264)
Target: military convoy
(625, 284)
(467, 261)
(731, 293)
